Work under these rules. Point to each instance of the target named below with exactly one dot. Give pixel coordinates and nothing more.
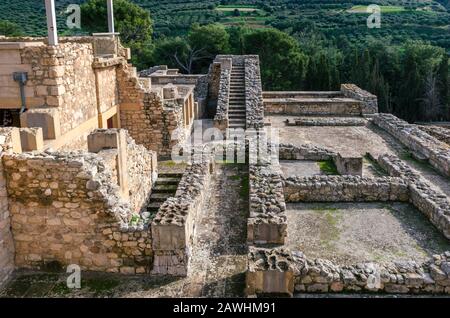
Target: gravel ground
(348, 233)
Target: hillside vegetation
(303, 44)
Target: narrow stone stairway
(164, 187)
(236, 107)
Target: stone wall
(156, 123)
(304, 152)
(345, 189)
(440, 133)
(337, 106)
(223, 96)
(174, 225)
(421, 144)
(328, 121)
(301, 94)
(369, 101)
(66, 208)
(6, 240)
(281, 271)
(267, 223)
(70, 91)
(253, 93)
(434, 204)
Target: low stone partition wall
(174, 224)
(267, 223)
(254, 104)
(328, 121)
(368, 100)
(345, 189)
(338, 106)
(435, 205)
(223, 98)
(301, 94)
(65, 209)
(420, 143)
(304, 152)
(437, 132)
(280, 271)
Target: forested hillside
(303, 44)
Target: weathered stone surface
(324, 276)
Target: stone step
(170, 175)
(236, 120)
(236, 111)
(160, 197)
(153, 207)
(167, 180)
(165, 188)
(236, 126)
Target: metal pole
(110, 9)
(51, 22)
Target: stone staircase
(236, 107)
(165, 187)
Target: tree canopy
(8, 28)
(131, 21)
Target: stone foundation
(345, 189)
(267, 223)
(435, 205)
(281, 271)
(422, 145)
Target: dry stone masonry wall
(328, 121)
(281, 271)
(267, 223)
(420, 143)
(435, 205)
(345, 189)
(6, 240)
(440, 133)
(173, 226)
(369, 101)
(223, 98)
(253, 93)
(65, 208)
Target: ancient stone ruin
(232, 190)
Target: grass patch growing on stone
(328, 167)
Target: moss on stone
(328, 167)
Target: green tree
(8, 28)
(237, 38)
(444, 88)
(205, 42)
(131, 21)
(283, 64)
(213, 39)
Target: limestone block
(170, 91)
(32, 139)
(168, 237)
(270, 271)
(45, 118)
(348, 164)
